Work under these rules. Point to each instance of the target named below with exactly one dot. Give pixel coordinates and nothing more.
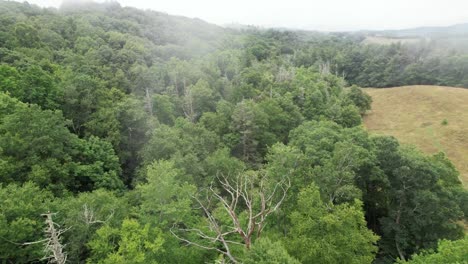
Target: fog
(326, 15)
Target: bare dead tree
(53, 246)
(187, 105)
(90, 219)
(148, 101)
(255, 196)
(324, 68)
(285, 74)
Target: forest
(131, 136)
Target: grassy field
(415, 115)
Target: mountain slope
(415, 115)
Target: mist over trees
(160, 139)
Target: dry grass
(414, 115)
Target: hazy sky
(311, 14)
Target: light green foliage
(448, 252)
(166, 197)
(125, 115)
(338, 160)
(131, 243)
(325, 233)
(165, 200)
(30, 85)
(85, 214)
(183, 138)
(283, 160)
(26, 35)
(265, 251)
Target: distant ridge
(444, 31)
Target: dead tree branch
(90, 219)
(53, 246)
(250, 194)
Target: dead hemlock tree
(90, 219)
(258, 200)
(53, 246)
(188, 104)
(324, 68)
(52, 243)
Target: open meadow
(434, 118)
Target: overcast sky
(329, 15)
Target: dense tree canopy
(160, 139)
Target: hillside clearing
(415, 115)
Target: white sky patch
(328, 15)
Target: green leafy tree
(165, 201)
(85, 214)
(336, 178)
(186, 143)
(450, 252)
(329, 233)
(359, 98)
(21, 222)
(131, 243)
(248, 124)
(265, 251)
(422, 206)
(166, 197)
(164, 109)
(36, 145)
(30, 85)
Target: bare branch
(259, 199)
(53, 246)
(89, 218)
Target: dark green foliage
(360, 99)
(21, 221)
(422, 202)
(86, 213)
(450, 252)
(37, 146)
(121, 121)
(329, 234)
(30, 85)
(265, 251)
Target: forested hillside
(131, 136)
